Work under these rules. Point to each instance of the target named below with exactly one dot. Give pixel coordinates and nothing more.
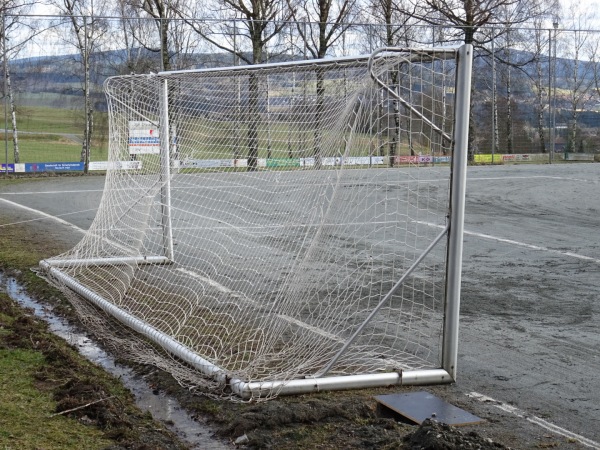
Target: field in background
(52, 135)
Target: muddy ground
(81, 390)
(326, 420)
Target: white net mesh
(296, 196)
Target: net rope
(299, 194)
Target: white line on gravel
(534, 419)
(518, 243)
(530, 177)
(533, 247)
(78, 191)
(46, 215)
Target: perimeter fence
(536, 91)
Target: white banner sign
(143, 138)
(118, 165)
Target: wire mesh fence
(535, 91)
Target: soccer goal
(286, 228)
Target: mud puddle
(163, 408)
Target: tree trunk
(495, 125)
(472, 146)
(85, 147)
(509, 118)
(540, 120)
(319, 110)
(253, 117)
(164, 44)
(253, 97)
(540, 105)
(13, 115)
(393, 146)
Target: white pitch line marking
(45, 215)
(549, 177)
(533, 247)
(534, 419)
(61, 221)
(515, 177)
(226, 290)
(78, 191)
(292, 320)
(218, 286)
(315, 330)
(519, 244)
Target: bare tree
(175, 43)
(258, 22)
(578, 71)
(87, 31)
(14, 23)
(225, 23)
(391, 21)
(136, 33)
(541, 45)
(469, 16)
(539, 39)
(394, 25)
(148, 27)
(579, 82)
(320, 24)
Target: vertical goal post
(301, 226)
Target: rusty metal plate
(421, 405)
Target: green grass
(49, 148)
(26, 422)
(279, 141)
(42, 119)
(41, 374)
(52, 135)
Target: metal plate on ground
(418, 406)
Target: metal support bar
(305, 386)
(383, 301)
(397, 96)
(349, 61)
(244, 389)
(458, 185)
(165, 171)
(116, 261)
(157, 336)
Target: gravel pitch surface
(530, 339)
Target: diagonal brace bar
(383, 301)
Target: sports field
(530, 343)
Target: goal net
(281, 228)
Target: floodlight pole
(457, 210)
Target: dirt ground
(349, 420)
(328, 420)
(80, 389)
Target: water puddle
(163, 408)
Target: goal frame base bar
(246, 390)
(159, 260)
(342, 382)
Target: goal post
(287, 228)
